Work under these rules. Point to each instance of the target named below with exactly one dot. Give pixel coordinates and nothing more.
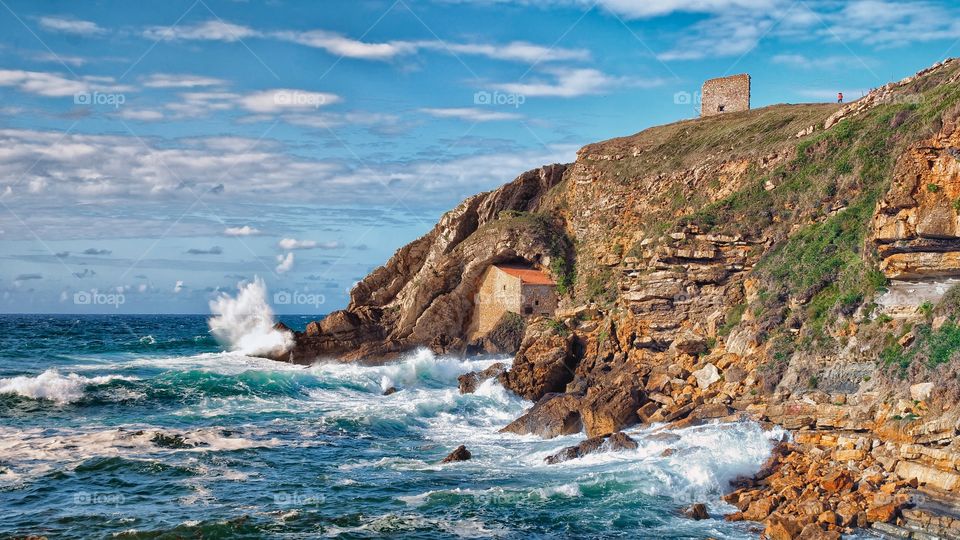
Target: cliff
(793, 264)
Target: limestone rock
(707, 375)
(554, 415)
(544, 364)
(921, 391)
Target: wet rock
(460, 454)
(614, 443)
(174, 441)
(696, 512)
(554, 415)
(544, 364)
(389, 391)
(470, 381)
(611, 409)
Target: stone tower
(726, 94)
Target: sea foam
(245, 324)
(53, 386)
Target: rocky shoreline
(793, 265)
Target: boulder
(706, 376)
(614, 443)
(921, 391)
(696, 512)
(554, 415)
(781, 528)
(470, 381)
(389, 391)
(460, 454)
(544, 364)
(611, 409)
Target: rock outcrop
(792, 265)
(423, 296)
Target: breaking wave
(245, 324)
(53, 386)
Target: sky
(154, 156)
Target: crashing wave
(245, 324)
(53, 386)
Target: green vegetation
(930, 346)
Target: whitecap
(53, 386)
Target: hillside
(744, 265)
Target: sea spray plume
(245, 324)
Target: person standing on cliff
(840, 97)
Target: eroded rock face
(423, 296)
(916, 228)
(544, 364)
(554, 415)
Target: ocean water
(148, 427)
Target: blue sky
(152, 157)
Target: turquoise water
(143, 427)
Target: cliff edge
(794, 264)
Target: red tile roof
(528, 276)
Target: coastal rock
(696, 512)
(613, 443)
(707, 375)
(390, 391)
(459, 454)
(611, 409)
(554, 415)
(544, 364)
(469, 382)
(505, 337)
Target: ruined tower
(726, 94)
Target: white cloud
(170, 80)
(343, 46)
(142, 115)
(71, 26)
(178, 286)
(214, 30)
(520, 51)
(347, 47)
(292, 243)
(284, 99)
(55, 85)
(471, 114)
(75, 61)
(246, 230)
(568, 83)
(285, 263)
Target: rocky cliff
(793, 264)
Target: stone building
(726, 94)
(523, 290)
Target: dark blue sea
(148, 427)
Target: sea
(167, 426)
